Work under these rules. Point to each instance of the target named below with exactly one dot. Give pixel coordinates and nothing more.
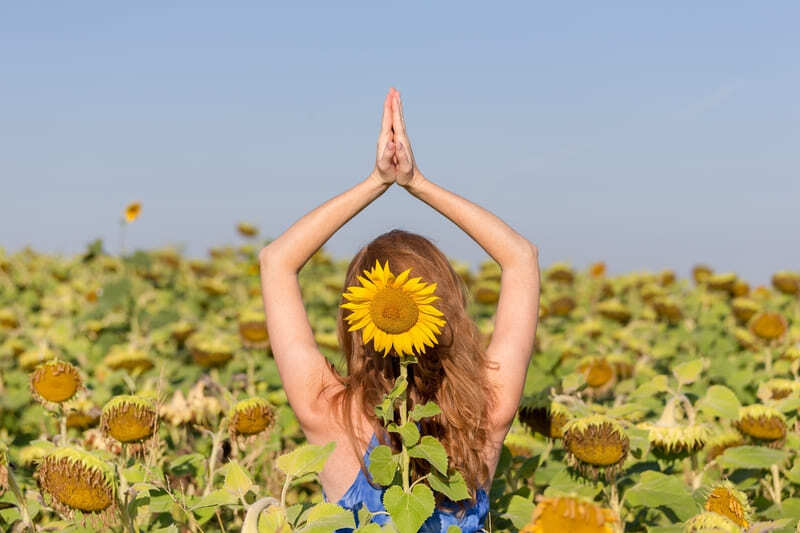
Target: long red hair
(452, 373)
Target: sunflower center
(394, 310)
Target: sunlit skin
(304, 370)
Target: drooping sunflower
(763, 424)
(54, 382)
(717, 445)
(251, 417)
(76, 480)
(129, 418)
(677, 442)
(729, 502)
(394, 311)
(596, 444)
(711, 522)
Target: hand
(386, 158)
(407, 170)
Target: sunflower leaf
(408, 432)
(431, 450)
(424, 411)
(305, 459)
(409, 510)
(382, 465)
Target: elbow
(528, 254)
(269, 256)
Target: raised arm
(303, 369)
(510, 349)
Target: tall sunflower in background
(132, 212)
(394, 311)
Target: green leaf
(573, 382)
(382, 465)
(409, 510)
(453, 529)
(688, 372)
(236, 479)
(659, 383)
(751, 457)
(327, 517)
(520, 511)
(424, 411)
(720, 401)
(454, 486)
(659, 490)
(408, 432)
(273, 521)
(432, 450)
(309, 458)
(564, 484)
(214, 499)
(399, 388)
(371, 527)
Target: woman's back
(393, 315)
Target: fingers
(386, 119)
(397, 115)
(388, 154)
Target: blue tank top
(362, 493)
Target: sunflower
(768, 326)
(571, 514)
(251, 417)
(711, 522)
(129, 418)
(74, 479)
(54, 382)
(132, 212)
(717, 445)
(246, 229)
(731, 503)
(765, 425)
(394, 311)
(596, 444)
(677, 442)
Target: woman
(478, 390)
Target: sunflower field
(138, 393)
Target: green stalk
(406, 460)
(23, 508)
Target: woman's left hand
(386, 158)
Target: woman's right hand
(407, 171)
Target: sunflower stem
(62, 424)
(216, 443)
(403, 420)
(776, 485)
(23, 508)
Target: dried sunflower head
(251, 417)
(522, 444)
(129, 358)
(717, 444)
(74, 479)
(597, 371)
(615, 310)
(786, 282)
(570, 514)
(253, 329)
(768, 326)
(763, 424)
(487, 292)
(212, 350)
(546, 418)
(666, 277)
(30, 359)
(561, 305)
(700, 273)
(561, 272)
(596, 444)
(129, 418)
(8, 320)
(778, 389)
(677, 442)
(55, 382)
(709, 522)
(746, 339)
(726, 500)
(740, 288)
(722, 282)
(246, 230)
(744, 309)
(83, 414)
(668, 310)
(181, 330)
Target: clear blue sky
(646, 136)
